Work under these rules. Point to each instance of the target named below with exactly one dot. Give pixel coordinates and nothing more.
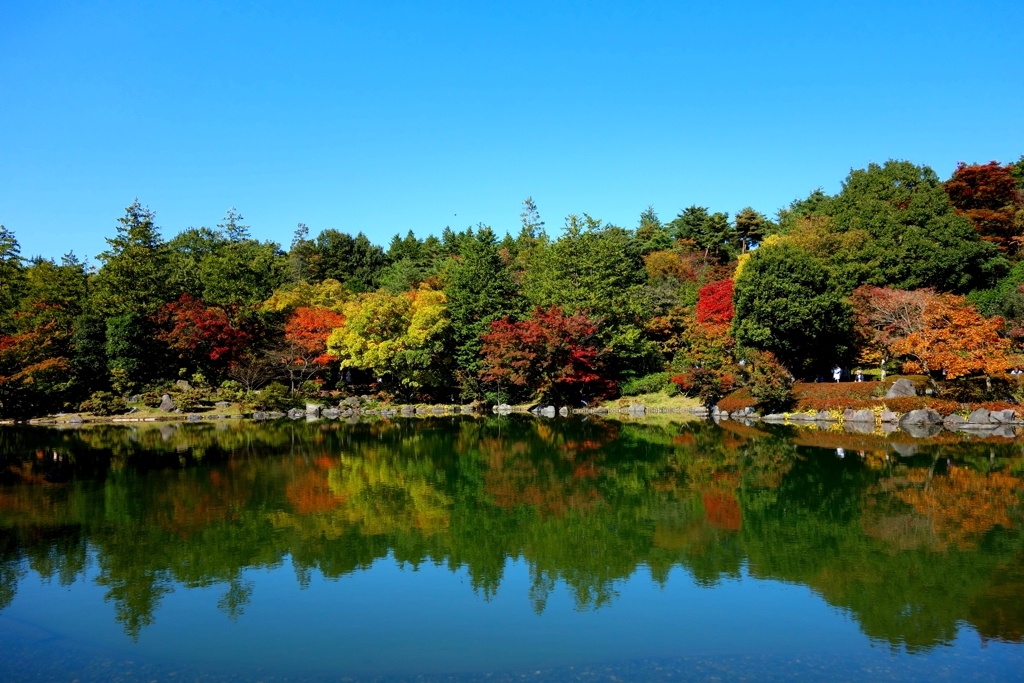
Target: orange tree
(883, 316)
(954, 337)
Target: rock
(296, 414)
(901, 387)
(364, 398)
(700, 410)
(907, 450)
(563, 411)
(439, 410)
(888, 417)
(135, 399)
(921, 430)
(422, 410)
(259, 415)
(166, 404)
(861, 416)
(889, 428)
(348, 412)
(953, 421)
(183, 385)
(547, 411)
(313, 409)
(223, 405)
(1002, 416)
(331, 413)
(824, 416)
(1006, 431)
(774, 417)
(979, 417)
(503, 409)
(275, 415)
(407, 411)
(194, 417)
(927, 416)
(858, 427)
(637, 409)
(800, 417)
(76, 419)
(351, 401)
(466, 409)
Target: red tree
(308, 329)
(203, 335)
(551, 353)
(714, 303)
(987, 195)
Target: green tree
(134, 276)
(786, 303)
(750, 227)
(898, 229)
(480, 289)
(12, 278)
(353, 261)
(711, 232)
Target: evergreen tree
(480, 289)
(12, 278)
(134, 277)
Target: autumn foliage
(551, 352)
(714, 303)
(308, 329)
(206, 335)
(987, 195)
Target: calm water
(511, 549)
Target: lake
(512, 548)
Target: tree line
(899, 269)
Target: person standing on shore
(837, 373)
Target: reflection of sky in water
(399, 621)
(642, 551)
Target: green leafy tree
(899, 229)
(711, 232)
(786, 303)
(750, 227)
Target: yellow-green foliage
(386, 332)
(327, 294)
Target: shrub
(737, 400)
(648, 384)
(188, 401)
(230, 390)
(103, 403)
(152, 399)
(275, 396)
(706, 384)
(770, 384)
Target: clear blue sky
(388, 116)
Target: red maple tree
(551, 352)
(205, 335)
(987, 195)
(308, 329)
(714, 303)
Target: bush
(103, 403)
(230, 390)
(152, 399)
(737, 400)
(275, 396)
(706, 384)
(188, 401)
(648, 384)
(770, 384)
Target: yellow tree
(398, 336)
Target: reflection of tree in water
(910, 547)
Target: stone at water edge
(823, 416)
(312, 409)
(259, 415)
(194, 417)
(547, 411)
(275, 415)
(889, 417)
(953, 421)
(900, 388)
(166, 404)
(774, 417)
(296, 414)
(978, 417)
(563, 411)
(223, 405)
(331, 413)
(926, 416)
(1002, 416)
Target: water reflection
(913, 538)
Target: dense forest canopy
(555, 316)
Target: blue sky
(387, 116)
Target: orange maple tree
(308, 329)
(954, 337)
